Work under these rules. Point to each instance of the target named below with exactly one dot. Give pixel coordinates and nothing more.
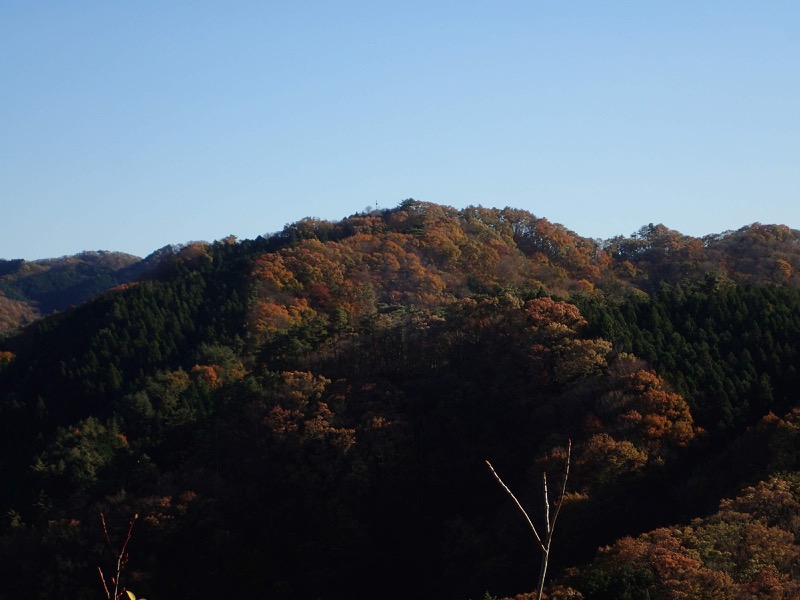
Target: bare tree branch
(121, 557)
(550, 524)
(514, 498)
(564, 485)
(546, 506)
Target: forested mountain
(566, 262)
(32, 289)
(307, 415)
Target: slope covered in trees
(32, 289)
(308, 415)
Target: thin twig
(522, 510)
(546, 507)
(105, 532)
(564, 485)
(103, 579)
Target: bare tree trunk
(542, 572)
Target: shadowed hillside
(307, 415)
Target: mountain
(32, 289)
(308, 414)
(548, 254)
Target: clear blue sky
(128, 125)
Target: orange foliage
(301, 414)
(270, 270)
(551, 319)
(176, 381)
(354, 274)
(15, 313)
(666, 419)
(270, 317)
(553, 330)
(639, 409)
(207, 374)
(602, 459)
(749, 549)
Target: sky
(129, 125)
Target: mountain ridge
(32, 289)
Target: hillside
(308, 415)
(30, 290)
(545, 253)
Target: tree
(112, 587)
(550, 523)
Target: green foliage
(80, 455)
(46, 286)
(730, 350)
(624, 583)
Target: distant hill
(30, 290)
(756, 254)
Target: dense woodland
(30, 290)
(307, 415)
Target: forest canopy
(308, 414)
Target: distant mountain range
(565, 261)
(33, 289)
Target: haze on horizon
(128, 127)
